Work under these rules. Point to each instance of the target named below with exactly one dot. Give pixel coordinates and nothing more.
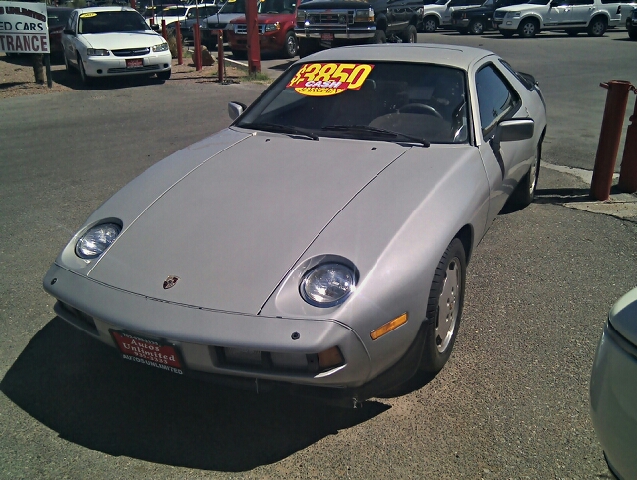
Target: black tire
(86, 80)
(447, 288)
(410, 35)
(476, 27)
(463, 31)
(429, 24)
(163, 76)
(529, 28)
(306, 48)
(571, 32)
(597, 27)
(632, 33)
(507, 33)
(239, 54)
(291, 48)
(524, 193)
(379, 37)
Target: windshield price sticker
(319, 79)
(88, 15)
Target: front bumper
(355, 34)
(198, 333)
(507, 24)
(112, 65)
(613, 395)
(460, 22)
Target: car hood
(121, 40)
(223, 17)
(623, 316)
(233, 226)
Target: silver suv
(572, 16)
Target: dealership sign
(23, 28)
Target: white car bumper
(113, 65)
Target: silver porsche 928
(320, 243)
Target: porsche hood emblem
(170, 282)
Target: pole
(609, 138)
(49, 76)
(220, 65)
(252, 25)
(628, 170)
(197, 38)
(180, 54)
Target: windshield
(173, 12)
(113, 21)
(366, 101)
(277, 6)
(57, 17)
(441, 2)
(488, 3)
(234, 6)
(203, 12)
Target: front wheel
(524, 193)
(291, 48)
(529, 28)
(444, 308)
(477, 27)
(379, 37)
(597, 27)
(163, 76)
(430, 24)
(410, 35)
(86, 80)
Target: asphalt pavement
(511, 403)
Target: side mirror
(235, 109)
(68, 32)
(155, 27)
(513, 130)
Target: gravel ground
(17, 78)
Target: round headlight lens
(328, 284)
(97, 239)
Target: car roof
(113, 8)
(453, 55)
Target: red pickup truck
(276, 20)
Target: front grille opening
(80, 318)
(279, 361)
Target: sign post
(25, 30)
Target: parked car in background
(219, 21)
(438, 14)
(331, 23)
(186, 26)
(171, 15)
(57, 18)
(613, 388)
(276, 19)
(476, 20)
(113, 41)
(631, 25)
(383, 167)
(571, 16)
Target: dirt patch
(17, 78)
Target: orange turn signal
(389, 326)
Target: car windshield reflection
(384, 101)
(108, 22)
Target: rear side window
(496, 98)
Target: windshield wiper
(376, 131)
(273, 127)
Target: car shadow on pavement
(85, 392)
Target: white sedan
(114, 41)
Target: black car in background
(56, 20)
(476, 20)
(631, 24)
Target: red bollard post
(253, 45)
(220, 65)
(628, 168)
(197, 54)
(164, 32)
(180, 54)
(609, 138)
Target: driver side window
(496, 99)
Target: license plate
(327, 36)
(148, 352)
(134, 63)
